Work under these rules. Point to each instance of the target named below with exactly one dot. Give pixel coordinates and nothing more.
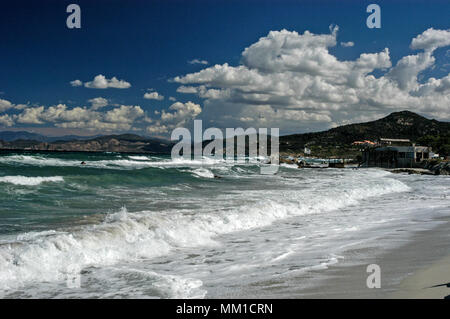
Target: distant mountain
(403, 124)
(9, 136)
(129, 143)
(69, 138)
(334, 142)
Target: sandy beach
(433, 282)
(420, 268)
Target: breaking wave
(203, 172)
(29, 181)
(131, 236)
(132, 162)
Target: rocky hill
(10, 136)
(338, 140)
(128, 143)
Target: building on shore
(395, 153)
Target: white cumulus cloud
(431, 39)
(178, 115)
(76, 83)
(198, 61)
(292, 81)
(6, 120)
(101, 82)
(98, 102)
(153, 96)
(347, 44)
(120, 118)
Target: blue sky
(149, 43)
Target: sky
(147, 67)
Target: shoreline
(408, 271)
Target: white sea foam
(178, 287)
(289, 165)
(35, 235)
(138, 158)
(134, 162)
(203, 172)
(126, 236)
(29, 181)
(37, 160)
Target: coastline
(407, 272)
(402, 249)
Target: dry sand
(433, 282)
(409, 271)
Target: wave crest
(29, 181)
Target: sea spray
(126, 236)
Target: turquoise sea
(142, 226)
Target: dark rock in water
(336, 165)
(302, 164)
(438, 168)
(286, 160)
(442, 168)
(419, 171)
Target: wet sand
(409, 271)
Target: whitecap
(203, 172)
(29, 181)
